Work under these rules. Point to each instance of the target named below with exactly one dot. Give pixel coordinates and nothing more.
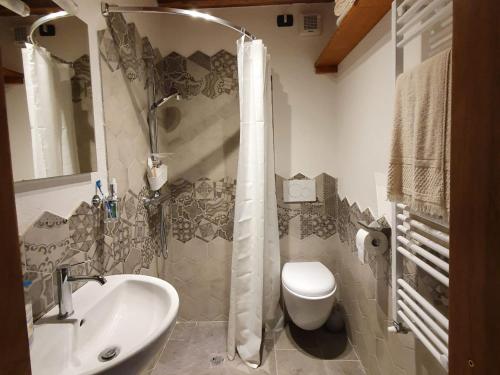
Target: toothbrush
(99, 186)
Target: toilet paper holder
(375, 226)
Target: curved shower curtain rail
(42, 20)
(106, 9)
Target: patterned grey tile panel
(118, 26)
(206, 230)
(284, 217)
(213, 85)
(321, 226)
(278, 182)
(41, 292)
(180, 189)
(226, 188)
(204, 188)
(313, 208)
(201, 59)
(121, 45)
(129, 243)
(319, 217)
(344, 217)
(80, 82)
(174, 67)
(133, 261)
(182, 229)
(225, 226)
(197, 73)
(48, 220)
(83, 228)
(108, 50)
(129, 206)
(129, 46)
(148, 252)
(176, 77)
(46, 243)
(224, 64)
(148, 52)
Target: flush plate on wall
(299, 190)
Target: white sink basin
(132, 312)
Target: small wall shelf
(360, 19)
(10, 76)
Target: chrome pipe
(162, 101)
(42, 20)
(107, 9)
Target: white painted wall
(335, 123)
(18, 123)
(363, 100)
(303, 111)
(62, 200)
(362, 95)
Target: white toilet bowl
(309, 293)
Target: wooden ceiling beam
(10, 76)
(37, 7)
(41, 7)
(199, 4)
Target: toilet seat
(310, 280)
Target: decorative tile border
(202, 209)
(81, 81)
(317, 218)
(126, 245)
(121, 46)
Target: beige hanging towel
(419, 166)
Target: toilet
(309, 293)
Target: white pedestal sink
(131, 313)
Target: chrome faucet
(64, 280)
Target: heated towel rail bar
(418, 239)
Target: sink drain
(109, 353)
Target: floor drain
(216, 360)
(109, 353)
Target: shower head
(164, 100)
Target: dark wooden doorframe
(14, 349)
(475, 190)
(475, 206)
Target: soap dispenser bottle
(112, 206)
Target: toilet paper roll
(370, 241)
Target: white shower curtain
(255, 278)
(50, 109)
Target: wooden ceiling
(47, 6)
(230, 3)
(37, 7)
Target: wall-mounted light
(17, 6)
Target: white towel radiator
(417, 239)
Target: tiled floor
(199, 348)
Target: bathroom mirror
(49, 97)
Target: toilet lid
(308, 279)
